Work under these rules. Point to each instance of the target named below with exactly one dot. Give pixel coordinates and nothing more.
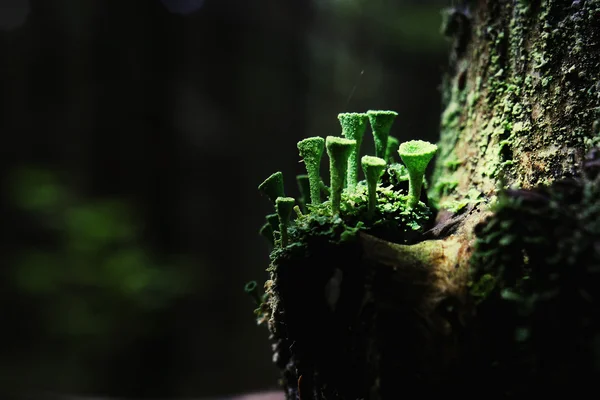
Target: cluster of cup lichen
(351, 205)
(381, 204)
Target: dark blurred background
(134, 135)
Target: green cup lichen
(354, 126)
(272, 187)
(273, 220)
(311, 151)
(284, 207)
(392, 146)
(373, 167)
(304, 189)
(381, 124)
(416, 155)
(267, 231)
(251, 288)
(338, 150)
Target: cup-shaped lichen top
(272, 187)
(251, 288)
(267, 231)
(311, 151)
(284, 207)
(392, 147)
(338, 150)
(373, 168)
(273, 220)
(381, 124)
(416, 155)
(354, 126)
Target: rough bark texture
(522, 109)
(522, 95)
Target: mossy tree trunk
(475, 304)
(522, 95)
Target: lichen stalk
(416, 155)
(354, 126)
(284, 207)
(311, 151)
(338, 150)
(373, 167)
(392, 146)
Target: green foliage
(311, 151)
(94, 267)
(381, 124)
(416, 155)
(272, 187)
(339, 150)
(353, 127)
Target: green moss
(535, 266)
(398, 174)
(353, 127)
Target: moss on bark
(522, 95)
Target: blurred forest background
(134, 135)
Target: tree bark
(521, 111)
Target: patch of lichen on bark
(523, 99)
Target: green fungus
(251, 288)
(416, 154)
(381, 123)
(304, 189)
(354, 126)
(373, 168)
(311, 151)
(267, 231)
(272, 187)
(339, 150)
(392, 146)
(284, 207)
